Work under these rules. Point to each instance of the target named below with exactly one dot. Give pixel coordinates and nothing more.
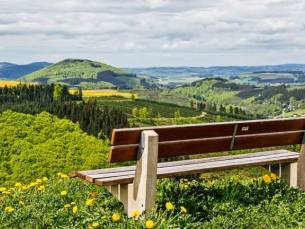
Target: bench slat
(208, 145)
(188, 167)
(83, 174)
(225, 159)
(184, 132)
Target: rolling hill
(87, 74)
(269, 74)
(13, 71)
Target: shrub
(39, 145)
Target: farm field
(8, 83)
(103, 93)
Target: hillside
(14, 71)
(33, 146)
(269, 74)
(225, 96)
(85, 73)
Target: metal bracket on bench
(233, 137)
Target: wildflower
(21, 203)
(62, 175)
(75, 209)
(63, 193)
(41, 188)
(45, 179)
(7, 192)
(89, 202)
(38, 181)
(267, 179)
(183, 209)
(149, 224)
(273, 176)
(18, 185)
(94, 225)
(67, 205)
(2, 189)
(169, 206)
(32, 184)
(135, 213)
(9, 209)
(116, 217)
(93, 194)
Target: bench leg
(288, 172)
(141, 194)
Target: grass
(156, 109)
(224, 202)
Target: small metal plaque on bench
(245, 128)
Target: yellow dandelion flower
(9, 209)
(2, 189)
(183, 209)
(89, 202)
(116, 217)
(267, 179)
(169, 206)
(63, 193)
(135, 213)
(63, 176)
(7, 192)
(95, 224)
(75, 209)
(41, 188)
(273, 176)
(21, 203)
(149, 224)
(67, 205)
(45, 179)
(32, 184)
(18, 185)
(38, 181)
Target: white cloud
(154, 32)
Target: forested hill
(13, 71)
(85, 73)
(268, 101)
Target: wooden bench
(135, 185)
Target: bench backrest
(211, 137)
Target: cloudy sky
(154, 32)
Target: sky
(142, 33)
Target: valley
(60, 119)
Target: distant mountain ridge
(216, 70)
(269, 74)
(86, 74)
(13, 71)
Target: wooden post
(141, 193)
(290, 174)
(301, 166)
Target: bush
(40, 145)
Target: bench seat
(125, 175)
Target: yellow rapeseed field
(101, 93)
(8, 83)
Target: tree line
(57, 100)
